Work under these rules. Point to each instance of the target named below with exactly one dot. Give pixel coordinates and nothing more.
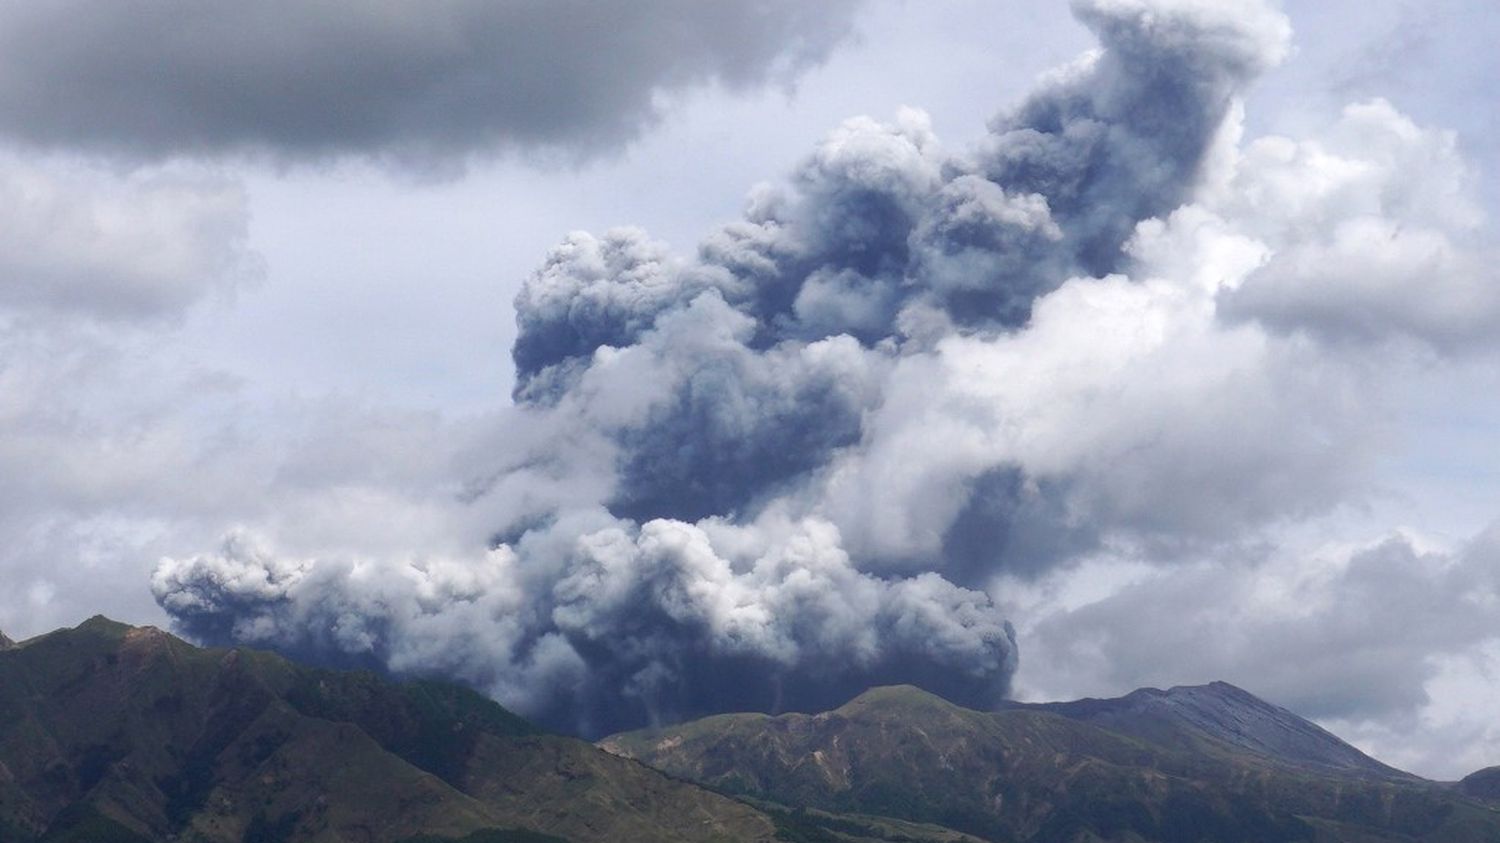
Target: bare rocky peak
(1229, 715)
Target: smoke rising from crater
(791, 466)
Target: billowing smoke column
(720, 488)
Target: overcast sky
(258, 266)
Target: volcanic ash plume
(788, 468)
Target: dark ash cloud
(418, 82)
(628, 626)
(788, 467)
(1121, 137)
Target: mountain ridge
(116, 733)
(111, 733)
(1032, 772)
(1183, 715)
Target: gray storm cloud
(420, 82)
(788, 467)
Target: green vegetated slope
(1193, 765)
(115, 734)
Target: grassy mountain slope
(1030, 774)
(113, 733)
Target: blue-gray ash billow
(793, 465)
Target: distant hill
(1211, 763)
(116, 734)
